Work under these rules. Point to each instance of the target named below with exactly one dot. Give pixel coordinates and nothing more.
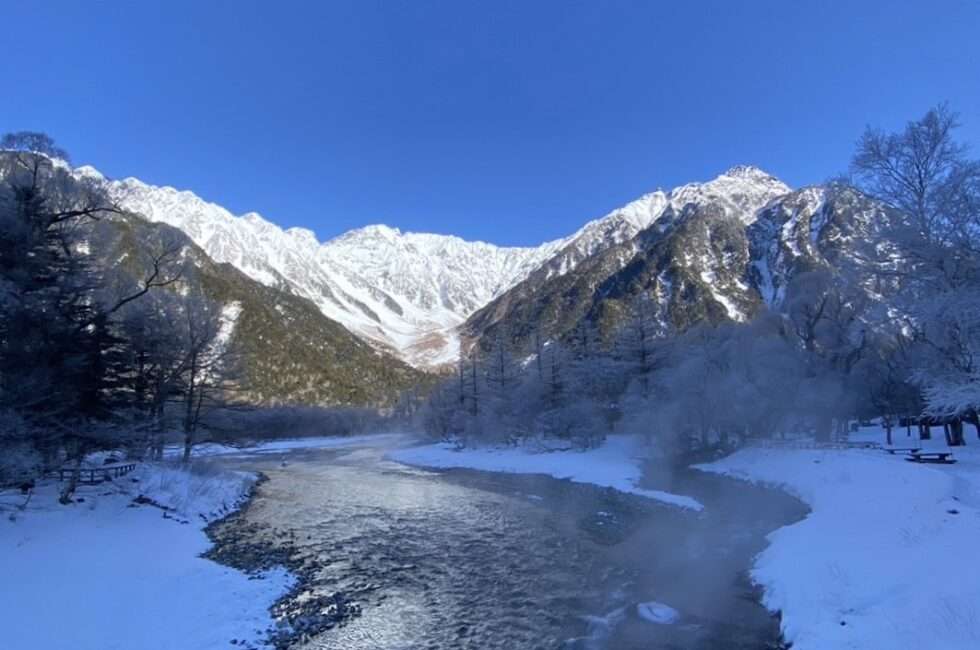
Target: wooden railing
(93, 475)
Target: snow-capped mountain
(710, 257)
(579, 276)
(740, 191)
(404, 291)
(411, 292)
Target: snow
(290, 444)
(657, 613)
(884, 558)
(102, 575)
(616, 464)
(229, 318)
(710, 278)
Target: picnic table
(931, 457)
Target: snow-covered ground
(101, 574)
(885, 558)
(616, 464)
(288, 444)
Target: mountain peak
(749, 172)
(303, 234)
(89, 172)
(380, 230)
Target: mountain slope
(404, 292)
(739, 191)
(709, 261)
(291, 352)
(831, 227)
(579, 278)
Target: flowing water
(393, 557)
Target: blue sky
(511, 122)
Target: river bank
(123, 564)
(882, 561)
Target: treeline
(253, 424)
(894, 333)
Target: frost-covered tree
(925, 172)
(502, 379)
(949, 370)
(207, 364)
(826, 313)
(883, 378)
(638, 343)
(54, 340)
(33, 142)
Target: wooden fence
(93, 475)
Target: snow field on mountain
(884, 560)
(101, 574)
(617, 464)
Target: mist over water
(416, 559)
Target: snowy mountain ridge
(741, 191)
(409, 292)
(404, 291)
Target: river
(394, 557)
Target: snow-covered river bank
(495, 548)
(105, 574)
(884, 559)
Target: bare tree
(33, 142)
(207, 364)
(924, 172)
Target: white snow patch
(658, 613)
(616, 464)
(291, 444)
(229, 318)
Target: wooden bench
(95, 475)
(895, 450)
(931, 457)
